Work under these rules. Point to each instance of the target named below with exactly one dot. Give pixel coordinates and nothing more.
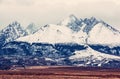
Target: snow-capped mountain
(55, 34)
(102, 34)
(73, 41)
(12, 32)
(71, 29)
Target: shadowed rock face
(24, 48)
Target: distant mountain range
(73, 41)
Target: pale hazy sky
(52, 11)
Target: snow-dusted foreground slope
(23, 53)
(92, 57)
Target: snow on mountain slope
(102, 34)
(90, 52)
(71, 29)
(12, 32)
(90, 56)
(54, 34)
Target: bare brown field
(63, 72)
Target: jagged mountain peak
(76, 24)
(72, 22)
(72, 17)
(12, 32)
(91, 19)
(90, 23)
(14, 24)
